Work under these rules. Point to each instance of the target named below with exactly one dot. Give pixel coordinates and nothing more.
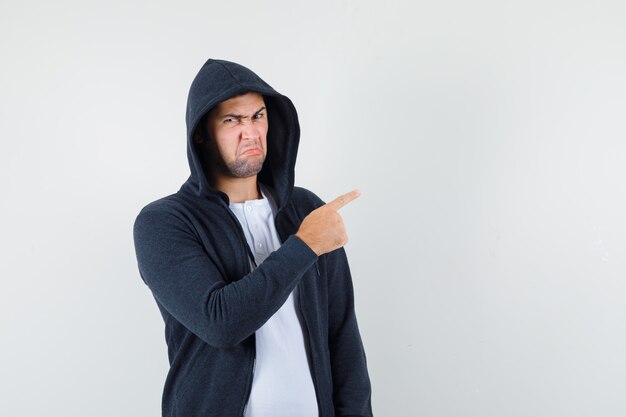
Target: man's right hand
(323, 230)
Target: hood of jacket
(219, 80)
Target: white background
(488, 137)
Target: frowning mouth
(252, 151)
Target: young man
(248, 270)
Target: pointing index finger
(344, 199)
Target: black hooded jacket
(193, 255)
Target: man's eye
(229, 120)
(259, 115)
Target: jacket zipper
(251, 377)
(306, 326)
(249, 386)
(242, 238)
(308, 345)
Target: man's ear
(197, 138)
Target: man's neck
(239, 190)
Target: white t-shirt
(282, 385)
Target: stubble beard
(244, 167)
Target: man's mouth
(252, 151)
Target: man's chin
(246, 169)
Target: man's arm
(185, 281)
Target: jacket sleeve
(351, 384)
(184, 280)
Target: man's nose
(248, 129)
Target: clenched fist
(323, 230)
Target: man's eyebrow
(241, 116)
(233, 115)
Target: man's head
(233, 137)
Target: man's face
(237, 136)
